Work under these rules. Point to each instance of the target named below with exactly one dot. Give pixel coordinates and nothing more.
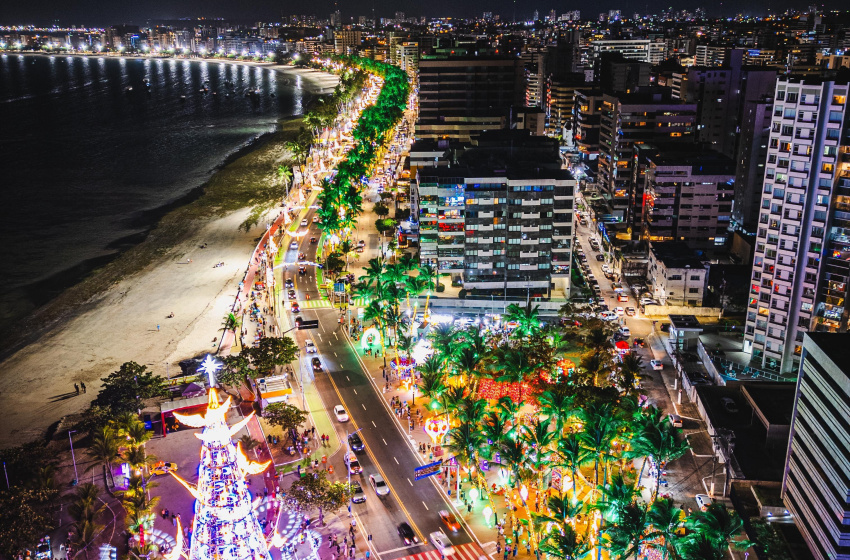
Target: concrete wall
(664, 310)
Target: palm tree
(493, 427)
(564, 542)
(431, 385)
(471, 410)
(666, 520)
(626, 538)
(527, 319)
(465, 442)
(630, 373)
(614, 497)
(431, 276)
(720, 525)
(700, 547)
(248, 443)
(373, 272)
(284, 174)
(138, 434)
(104, 450)
(557, 405)
(596, 365)
(660, 442)
(466, 362)
(512, 365)
(137, 458)
(442, 337)
(414, 285)
(512, 454)
(409, 262)
(231, 323)
(572, 455)
(599, 431)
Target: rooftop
(834, 345)
(675, 254)
(684, 322)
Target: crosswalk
(313, 303)
(468, 551)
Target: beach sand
(89, 337)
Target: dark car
(359, 496)
(355, 442)
(407, 534)
(290, 283)
(313, 240)
(317, 364)
(600, 257)
(302, 269)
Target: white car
(657, 365)
(310, 347)
(442, 543)
(608, 316)
(703, 501)
(620, 310)
(315, 219)
(293, 245)
(340, 413)
(606, 268)
(304, 222)
(624, 332)
(378, 485)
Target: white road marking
(426, 506)
(346, 377)
(385, 441)
(408, 481)
(335, 336)
(355, 391)
(335, 356)
(396, 461)
(373, 424)
(363, 405)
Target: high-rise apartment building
(801, 268)
(707, 55)
(461, 96)
(503, 230)
(534, 63)
(816, 483)
(587, 122)
(647, 116)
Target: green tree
(313, 490)
(286, 416)
(26, 515)
(527, 319)
(236, 369)
(381, 210)
(720, 525)
(231, 323)
(272, 351)
(564, 542)
(666, 519)
(85, 509)
(104, 450)
(126, 390)
(625, 538)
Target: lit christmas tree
(225, 525)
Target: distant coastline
(67, 293)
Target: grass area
(248, 180)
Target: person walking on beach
(76, 388)
(83, 386)
(157, 328)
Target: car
(43, 551)
(703, 501)
(315, 219)
(407, 534)
(310, 347)
(442, 543)
(162, 468)
(291, 294)
(620, 310)
(623, 297)
(603, 307)
(606, 268)
(359, 248)
(631, 311)
(729, 405)
(301, 256)
(361, 243)
(450, 520)
(302, 269)
(378, 485)
(317, 364)
(355, 443)
(340, 413)
(313, 240)
(675, 419)
(638, 341)
(624, 332)
(608, 316)
(656, 365)
(289, 283)
(600, 257)
(359, 495)
(304, 222)
(298, 321)
(354, 466)
(295, 307)
(293, 245)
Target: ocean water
(92, 150)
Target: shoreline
(52, 293)
(119, 311)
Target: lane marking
(385, 441)
(396, 461)
(355, 390)
(335, 356)
(408, 481)
(373, 424)
(363, 405)
(426, 506)
(347, 379)
(335, 335)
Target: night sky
(103, 12)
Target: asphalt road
(343, 380)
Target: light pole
(73, 458)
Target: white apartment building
(675, 275)
(800, 268)
(631, 49)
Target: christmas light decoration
(225, 525)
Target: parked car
(657, 365)
(729, 405)
(630, 311)
(340, 413)
(162, 468)
(703, 501)
(600, 257)
(355, 443)
(620, 310)
(624, 332)
(378, 485)
(291, 294)
(608, 316)
(359, 495)
(676, 420)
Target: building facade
(800, 267)
(675, 275)
(816, 483)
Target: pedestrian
(83, 386)
(515, 550)
(76, 388)
(157, 328)
(469, 508)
